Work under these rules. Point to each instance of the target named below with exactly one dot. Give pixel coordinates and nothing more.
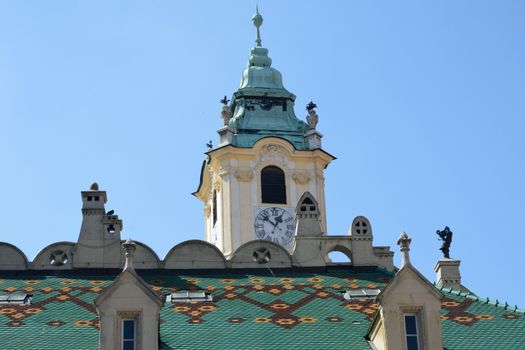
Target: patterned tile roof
(470, 323)
(293, 308)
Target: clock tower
(266, 160)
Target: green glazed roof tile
(293, 309)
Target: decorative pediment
(273, 154)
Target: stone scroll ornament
(226, 112)
(312, 118)
(446, 237)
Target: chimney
(98, 244)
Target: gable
(409, 286)
(128, 289)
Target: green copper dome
(262, 107)
(259, 74)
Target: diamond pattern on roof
(294, 309)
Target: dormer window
(411, 332)
(273, 185)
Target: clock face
(276, 225)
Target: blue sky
(421, 102)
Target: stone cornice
(93, 211)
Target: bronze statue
(446, 237)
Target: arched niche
(260, 254)
(194, 254)
(56, 256)
(144, 257)
(12, 258)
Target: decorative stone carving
(217, 181)
(261, 256)
(244, 175)
(312, 118)
(58, 258)
(301, 178)
(404, 244)
(273, 154)
(222, 172)
(207, 210)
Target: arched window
(273, 186)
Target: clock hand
(266, 218)
(278, 220)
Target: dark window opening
(214, 207)
(111, 229)
(411, 332)
(89, 198)
(273, 186)
(129, 337)
(307, 205)
(97, 198)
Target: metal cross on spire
(257, 22)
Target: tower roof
(259, 73)
(262, 106)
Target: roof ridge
(472, 296)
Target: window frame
(123, 336)
(134, 316)
(283, 191)
(417, 334)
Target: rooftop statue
(446, 237)
(312, 118)
(226, 112)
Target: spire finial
(257, 22)
(129, 248)
(404, 244)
